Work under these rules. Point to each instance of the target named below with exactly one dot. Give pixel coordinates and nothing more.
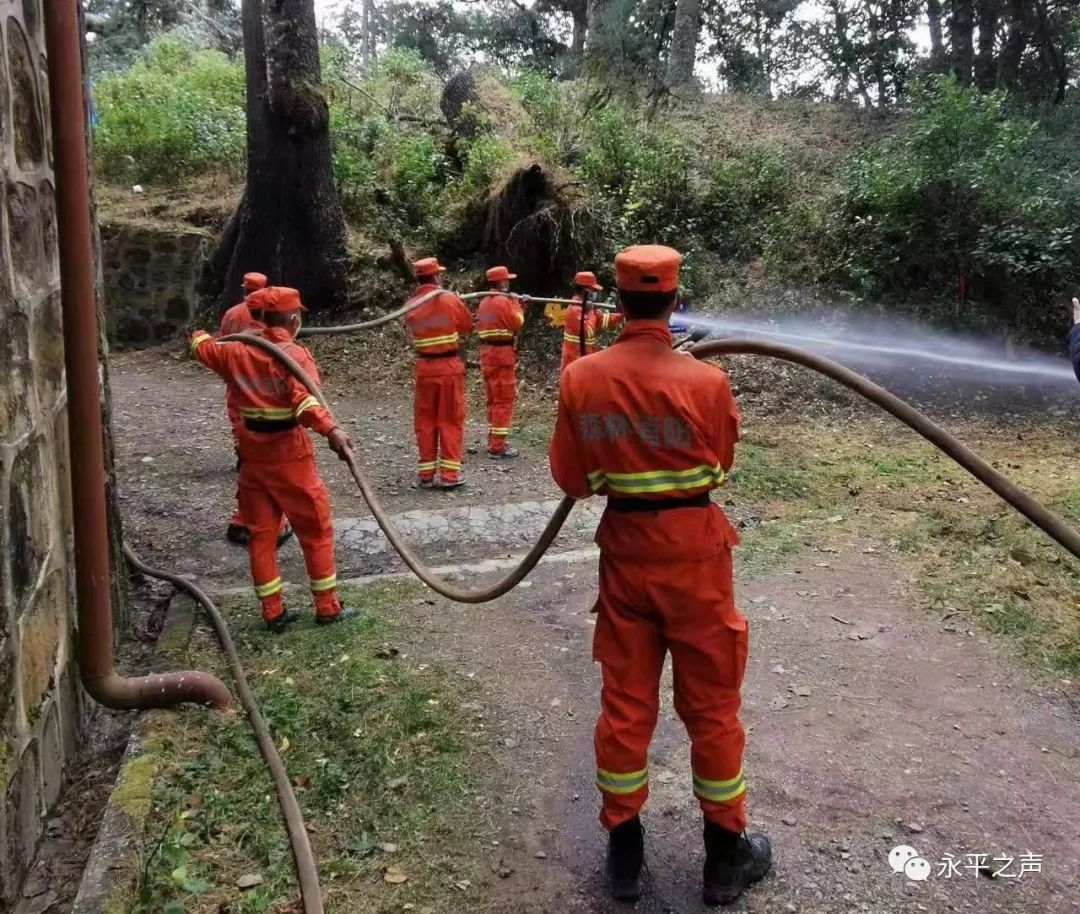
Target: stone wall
(39, 697)
(151, 279)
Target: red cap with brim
(254, 281)
(588, 281)
(280, 300)
(647, 268)
(429, 266)
(500, 274)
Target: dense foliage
(965, 210)
(969, 203)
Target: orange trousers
(500, 389)
(236, 422)
(439, 417)
(295, 489)
(646, 610)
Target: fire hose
(307, 874)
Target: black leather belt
(270, 425)
(497, 342)
(638, 505)
(437, 355)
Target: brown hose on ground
(1051, 524)
(415, 563)
(306, 872)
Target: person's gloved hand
(339, 442)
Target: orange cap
(429, 266)
(280, 299)
(647, 268)
(498, 274)
(254, 281)
(587, 280)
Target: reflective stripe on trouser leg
(451, 424)
(262, 515)
(708, 641)
(500, 385)
(425, 408)
(302, 493)
(628, 644)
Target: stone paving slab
(510, 524)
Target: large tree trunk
(1016, 43)
(937, 40)
(985, 61)
(961, 37)
(289, 224)
(580, 13)
(684, 42)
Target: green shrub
(968, 197)
(176, 112)
(746, 195)
(485, 158)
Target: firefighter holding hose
(438, 328)
(278, 474)
(499, 320)
(582, 320)
(655, 432)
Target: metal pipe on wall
(95, 637)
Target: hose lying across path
(415, 563)
(306, 872)
(1053, 525)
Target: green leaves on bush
(176, 112)
(967, 198)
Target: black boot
(626, 855)
(344, 614)
(733, 863)
(281, 621)
(237, 533)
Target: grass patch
(970, 555)
(380, 753)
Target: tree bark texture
(937, 40)
(684, 42)
(1016, 43)
(289, 224)
(989, 12)
(961, 37)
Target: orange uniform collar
(278, 334)
(640, 329)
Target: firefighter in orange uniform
(498, 322)
(245, 317)
(582, 320)
(277, 463)
(654, 431)
(438, 328)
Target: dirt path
(871, 723)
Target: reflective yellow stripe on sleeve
(198, 340)
(495, 334)
(657, 480)
(305, 404)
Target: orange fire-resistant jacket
(274, 405)
(638, 420)
(438, 326)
